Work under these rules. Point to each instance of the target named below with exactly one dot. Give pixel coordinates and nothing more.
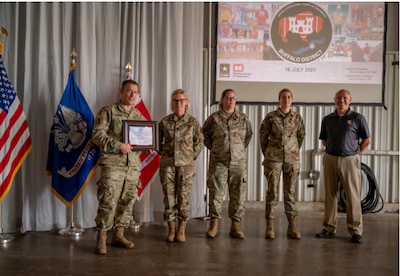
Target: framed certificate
(141, 135)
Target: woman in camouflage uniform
(181, 141)
(281, 136)
(227, 133)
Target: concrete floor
(48, 253)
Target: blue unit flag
(72, 156)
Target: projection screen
(314, 49)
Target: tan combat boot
(236, 233)
(292, 231)
(171, 232)
(119, 240)
(101, 238)
(180, 234)
(213, 230)
(269, 216)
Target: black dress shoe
(325, 234)
(356, 238)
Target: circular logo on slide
(301, 32)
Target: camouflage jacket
(281, 136)
(227, 139)
(108, 135)
(181, 140)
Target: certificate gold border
(127, 124)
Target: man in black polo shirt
(345, 135)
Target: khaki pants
(347, 172)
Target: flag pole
(4, 238)
(72, 230)
(133, 224)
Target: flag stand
(134, 225)
(71, 230)
(4, 238)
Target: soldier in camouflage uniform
(281, 136)
(181, 141)
(118, 185)
(227, 133)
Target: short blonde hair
(185, 94)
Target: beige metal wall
(384, 128)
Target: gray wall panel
(384, 128)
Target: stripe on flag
(15, 139)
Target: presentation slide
(314, 49)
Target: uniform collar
(122, 108)
(283, 114)
(176, 118)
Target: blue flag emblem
(72, 156)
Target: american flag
(15, 139)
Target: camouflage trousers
(219, 176)
(116, 192)
(176, 184)
(272, 171)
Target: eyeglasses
(179, 101)
(234, 98)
